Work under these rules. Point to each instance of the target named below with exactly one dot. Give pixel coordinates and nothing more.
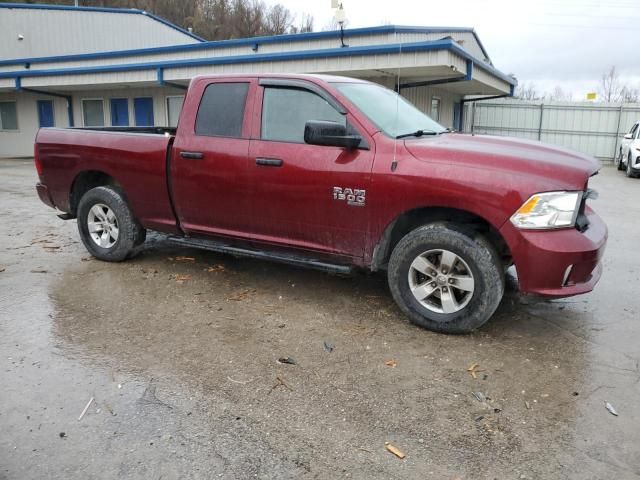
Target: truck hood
(567, 169)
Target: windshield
(389, 111)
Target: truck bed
(134, 157)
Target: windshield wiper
(417, 133)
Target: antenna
(394, 163)
(341, 18)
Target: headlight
(548, 210)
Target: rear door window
(221, 110)
(285, 111)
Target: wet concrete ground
(180, 357)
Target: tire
(629, 170)
(102, 206)
(475, 256)
(618, 161)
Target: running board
(219, 247)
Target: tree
(527, 91)
(610, 89)
(305, 25)
(560, 95)
(630, 94)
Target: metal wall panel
(158, 94)
(489, 79)
(339, 65)
(421, 98)
(592, 128)
(66, 32)
(353, 41)
(19, 143)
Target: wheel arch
(412, 219)
(85, 181)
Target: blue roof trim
(30, 6)
(271, 57)
(41, 6)
(251, 41)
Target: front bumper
(542, 258)
(45, 196)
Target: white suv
(628, 157)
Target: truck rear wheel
(107, 226)
(445, 278)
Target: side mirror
(628, 136)
(332, 134)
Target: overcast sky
(566, 43)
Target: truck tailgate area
(135, 159)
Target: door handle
(269, 162)
(192, 155)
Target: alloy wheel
(103, 225)
(441, 281)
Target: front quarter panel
(492, 194)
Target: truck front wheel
(445, 278)
(107, 226)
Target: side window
(221, 110)
(633, 129)
(435, 108)
(286, 110)
(8, 116)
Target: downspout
(162, 82)
(68, 98)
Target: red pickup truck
(336, 173)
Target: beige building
(91, 76)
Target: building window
(174, 106)
(93, 112)
(435, 108)
(8, 116)
(285, 111)
(221, 110)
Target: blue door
(45, 113)
(119, 112)
(143, 108)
